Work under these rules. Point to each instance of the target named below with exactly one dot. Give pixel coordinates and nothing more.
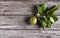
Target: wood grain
(29, 34)
(21, 22)
(23, 8)
(14, 18)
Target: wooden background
(14, 15)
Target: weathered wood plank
(17, 7)
(19, 34)
(23, 0)
(21, 22)
(29, 34)
(23, 7)
(13, 23)
(54, 0)
(16, 22)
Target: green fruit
(33, 20)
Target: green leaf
(38, 15)
(43, 23)
(51, 19)
(50, 14)
(48, 24)
(52, 10)
(45, 18)
(41, 8)
(55, 18)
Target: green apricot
(33, 20)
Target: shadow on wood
(27, 20)
(34, 10)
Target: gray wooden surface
(14, 15)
